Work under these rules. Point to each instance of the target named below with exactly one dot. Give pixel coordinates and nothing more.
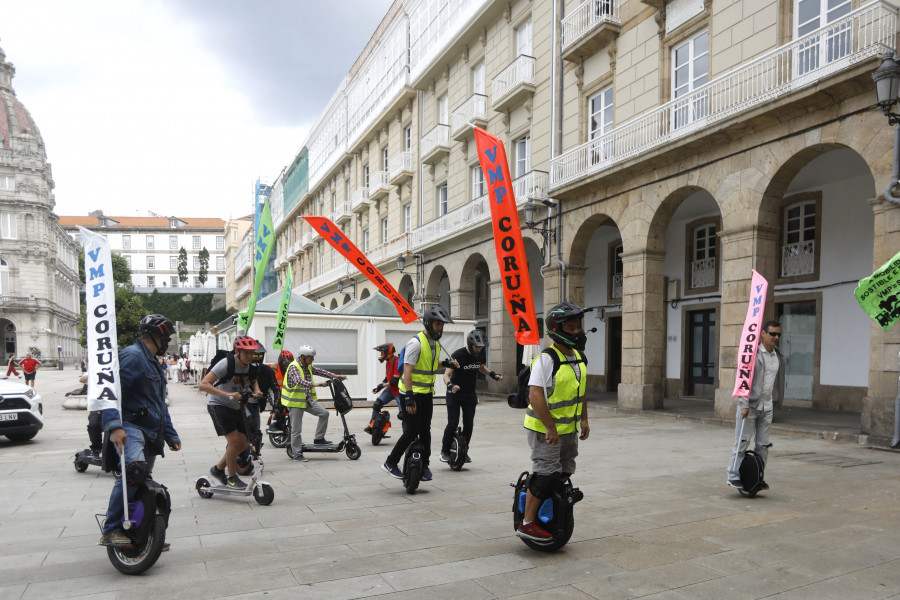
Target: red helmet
(387, 351)
(245, 342)
(286, 356)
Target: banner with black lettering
(334, 236)
(281, 324)
(104, 386)
(878, 293)
(750, 336)
(514, 278)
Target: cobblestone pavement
(657, 520)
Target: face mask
(163, 345)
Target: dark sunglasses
(774, 333)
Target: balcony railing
(360, 199)
(517, 76)
(379, 185)
(616, 291)
(401, 166)
(798, 259)
(307, 240)
(330, 275)
(473, 110)
(244, 290)
(388, 251)
(703, 273)
(438, 139)
(864, 33)
(585, 19)
(341, 212)
(529, 186)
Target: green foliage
(182, 266)
(190, 308)
(203, 275)
(129, 305)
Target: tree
(182, 265)
(129, 305)
(204, 266)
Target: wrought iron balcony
(589, 28)
(379, 186)
(514, 83)
(798, 259)
(864, 33)
(471, 112)
(435, 144)
(401, 167)
(703, 273)
(360, 200)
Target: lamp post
(547, 233)
(887, 92)
(340, 287)
(420, 275)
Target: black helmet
(160, 329)
(387, 351)
(558, 315)
(476, 337)
(432, 314)
(259, 354)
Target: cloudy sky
(176, 106)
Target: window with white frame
(834, 43)
(384, 230)
(151, 281)
(478, 81)
(173, 281)
(442, 199)
(151, 261)
(365, 240)
(523, 39)
(150, 242)
(220, 282)
(126, 241)
(4, 277)
(197, 282)
(477, 179)
(407, 138)
(220, 263)
(799, 250)
(321, 260)
(196, 242)
(600, 107)
(523, 155)
(7, 182)
(173, 242)
(366, 176)
(196, 263)
(347, 189)
(333, 201)
(384, 159)
(443, 107)
(8, 229)
(173, 262)
(407, 218)
(127, 258)
(690, 70)
(220, 242)
(703, 260)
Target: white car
(21, 410)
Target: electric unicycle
(413, 466)
(458, 450)
(148, 515)
(556, 513)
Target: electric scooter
(343, 404)
(85, 458)
(555, 513)
(261, 491)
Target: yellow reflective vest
(565, 403)
(295, 397)
(425, 368)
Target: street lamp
(547, 233)
(340, 286)
(887, 92)
(420, 274)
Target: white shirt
(770, 360)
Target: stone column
(742, 250)
(502, 351)
(877, 418)
(643, 333)
(461, 304)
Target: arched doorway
(9, 339)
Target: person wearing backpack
(422, 360)
(461, 389)
(225, 382)
(558, 406)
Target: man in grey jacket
(766, 392)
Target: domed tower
(39, 301)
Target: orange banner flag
(514, 276)
(334, 236)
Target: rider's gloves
(408, 400)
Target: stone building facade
(670, 147)
(39, 301)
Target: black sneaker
(218, 474)
(426, 474)
(235, 483)
(392, 470)
(367, 430)
(736, 483)
(321, 442)
(763, 485)
(445, 456)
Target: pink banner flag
(750, 336)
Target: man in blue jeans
(144, 425)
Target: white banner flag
(104, 387)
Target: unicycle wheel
(411, 480)
(136, 560)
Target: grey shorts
(547, 459)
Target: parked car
(21, 410)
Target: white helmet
(306, 350)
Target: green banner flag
(281, 326)
(878, 295)
(265, 239)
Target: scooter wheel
(353, 451)
(267, 495)
(80, 466)
(136, 560)
(279, 440)
(202, 483)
